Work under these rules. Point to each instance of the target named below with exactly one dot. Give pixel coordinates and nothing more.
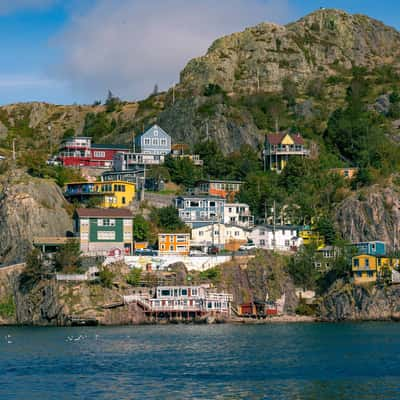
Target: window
(163, 142)
(230, 209)
(181, 238)
(147, 141)
(84, 236)
(123, 200)
(212, 203)
(163, 247)
(127, 236)
(237, 233)
(287, 243)
(367, 262)
(105, 235)
(370, 274)
(171, 248)
(201, 233)
(356, 262)
(99, 154)
(262, 242)
(155, 142)
(108, 222)
(155, 132)
(165, 292)
(162, 238)
(184, 292)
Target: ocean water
(275, 361)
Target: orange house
(219, 188)
(174, 243)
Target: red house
(80, 152)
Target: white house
(279, 238)
(218, 235)
(238, 214)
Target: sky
(74, 51)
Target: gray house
(154, 141)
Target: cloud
(11, 6)
(130, 45)
(27, 81)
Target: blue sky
(75, 53)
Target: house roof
(161, 130)
(110, 146)
(218, 181)
(276, 138)
(103, 213)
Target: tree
(106, 277)
(213, 158)
(301, 267)
(325, 227)
(112, 102)
(68, 257)
(182, 171)
(37, 267)
(289, 91)
(155, 90)
(134, 277)
(141, 229)
(167, 219)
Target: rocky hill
(322, 43)
(29, 207)
(322, 46)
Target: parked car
(247, 247)
(146, 252)
(196, 253)
(213, 250)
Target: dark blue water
(277, 361)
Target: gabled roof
(103, 213)
(161, 130)
(276, 138)
(111, 146)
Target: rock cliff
(371, 214)
(259, 58)
(345, 301)
(29, 207)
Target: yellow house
(368, 268)
(310, 237)
(280, 147)
(110, 194)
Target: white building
(218, 235)
(238, 214)
(283, 238)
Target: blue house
(154, 141)
(198, 211)
(374, 248)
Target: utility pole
(258, 80)
(13, 150)
(274, 226)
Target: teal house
(104, 231)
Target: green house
(104, 231)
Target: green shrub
(7, 307)
(134, 276)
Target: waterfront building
(81, 152)
(106, 232)
(270, 237)
(183, 302)
(104, 194)
(281, 147)
(154, 141)
(174, 243)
